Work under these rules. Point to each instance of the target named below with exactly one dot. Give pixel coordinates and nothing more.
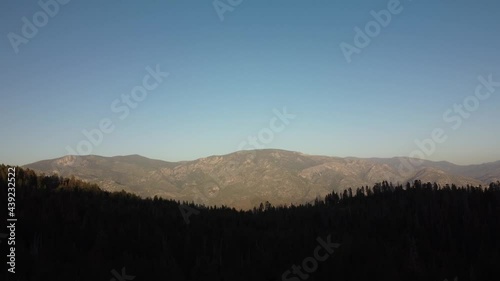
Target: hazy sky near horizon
(227, 79)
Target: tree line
(68, 229)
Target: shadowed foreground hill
(70, 230)
(246, 178)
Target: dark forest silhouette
(71, 230)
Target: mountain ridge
(244, 179)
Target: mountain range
(246, 178)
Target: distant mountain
(246, 178)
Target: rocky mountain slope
(246, 178)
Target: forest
(72, 230)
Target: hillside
(245, 179)
(71, 230)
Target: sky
(181, 80)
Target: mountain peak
(244, 178)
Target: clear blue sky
(226, 77)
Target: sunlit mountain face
(245, 179)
